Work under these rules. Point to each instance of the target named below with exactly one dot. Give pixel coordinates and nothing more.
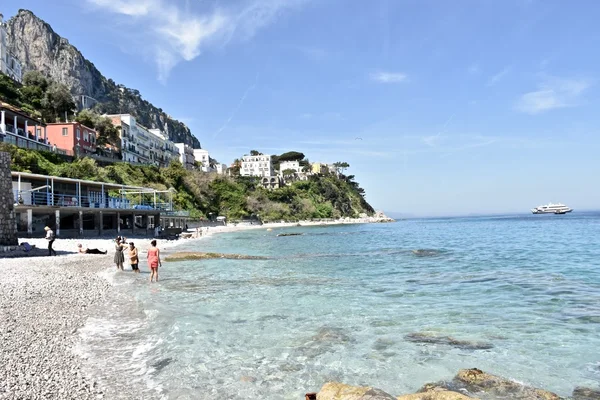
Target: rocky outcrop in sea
(467, 384)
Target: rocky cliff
(39, 48)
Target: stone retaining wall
(8, 227)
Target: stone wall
(8, 228)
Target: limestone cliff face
(39, 48)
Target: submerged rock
(340, 391)
(324, 341)
(423, 337)
(290, 234)
(331, 335)
(485, 385)
(583, 393)
(426, 252)
(190, 255)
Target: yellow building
(318, 168)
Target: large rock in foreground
(484, 385)
(582, 393)
(435, 393)
(340, 391)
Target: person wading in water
(154, 260)
(133, 258)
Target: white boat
(551, 208)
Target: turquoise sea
(519, 295)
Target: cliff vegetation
(203, 194)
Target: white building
(186, 155)
(293, 165)
(202, 156)
(221, 168)
(142, 145)
(260, 165)
(9, 64)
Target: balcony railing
(71, 200)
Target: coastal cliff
(38, 47)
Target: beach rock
(425, 337)
(435, 393)
(187, 255)
(583, 393)
(340, 391)
(426, 252)
(477, 381)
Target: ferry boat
(552, 209)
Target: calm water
(337, 303)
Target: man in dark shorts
(133, 257)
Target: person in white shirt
(50, 238)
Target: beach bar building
(74, 207)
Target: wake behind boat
(551, 208)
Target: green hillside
(322, 196)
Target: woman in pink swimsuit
(154, 260)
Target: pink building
(73, 137)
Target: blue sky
(469, 106)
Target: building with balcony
(76, 207)
(260, 165)
(202, 156)
(186, 155)
(76, 139)
(19, 128)
(9, 64)
(162, 149)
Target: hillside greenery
(204, 194)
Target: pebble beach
(45, 300)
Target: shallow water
(343, 303)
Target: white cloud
(553, 93)
(388, 77)
(474, 69)
(175, 33)
(496, 78)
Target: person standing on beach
(154, 260)
(50, 238)
(133, 258)
(119, 257)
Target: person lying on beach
(26, 247)
(85, 250)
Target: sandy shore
(45, 300)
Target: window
(85, 136)
(78, 133)
(65, 132)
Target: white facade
(162, 148)
(142, 145)
(9, 64)
(221, 169)
(260, 165)
(293, 165)
(186, 155)
(202, 156)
